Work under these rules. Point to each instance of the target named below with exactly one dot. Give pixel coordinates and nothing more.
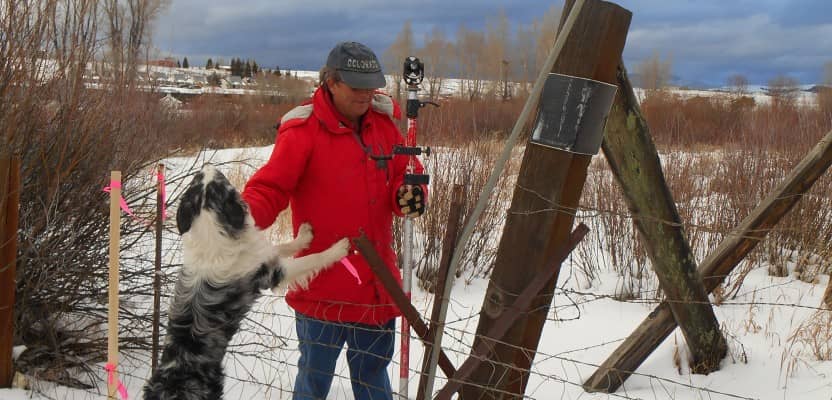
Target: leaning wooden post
(112, 306)
(398, 296)
(437, 317)
(733, 248)
(634, 161)
(479, 354)
(550, 181)
(9, 202)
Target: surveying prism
(413, 74)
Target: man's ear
(329, 83)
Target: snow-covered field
(770, 357)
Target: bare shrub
(69, 137)
(457, 122)
(720, 156)
(469, 166)
(223, 122)
(604, 211)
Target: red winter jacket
(319, 168)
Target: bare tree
(470, 51)
(524, 50)
(783, 90)
(394, 56)
(437, 58)
(654, 72)
(825, 90)
(738, 84)
(128, 27)
(547, 31)
(496, 58)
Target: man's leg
(369, 350)
(320, 343)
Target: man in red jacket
(333, 164)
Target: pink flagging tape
(122, 202)
(351, 268)
(126, 208)
(163, 192)
(111, 376)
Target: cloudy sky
(706, 40)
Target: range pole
(413, 74)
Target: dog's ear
(230, 208)
(189, 208)
(235, 210)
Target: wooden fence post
(542, 211)
(9, 202)
(634, 161)
(733, 248)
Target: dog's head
(211, 196)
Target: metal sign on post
(572, 117)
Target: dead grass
(720, 157)
(811, 341)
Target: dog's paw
(340, 249)
(304, 235)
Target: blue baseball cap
(357, 64)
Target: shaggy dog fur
(227, 262)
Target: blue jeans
(369, 350)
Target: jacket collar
(382, 106)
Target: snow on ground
(585, 325)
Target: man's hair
(326, 73)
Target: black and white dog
(227, 262)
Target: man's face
(351, 103)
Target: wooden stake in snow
(157, 285)
(9, 199)
(112, 307)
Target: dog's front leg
(300, 242)
(298, 271)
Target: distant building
(232, 82)
(165, 62)
(181, 80)
(160, 78)
(199, 80)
